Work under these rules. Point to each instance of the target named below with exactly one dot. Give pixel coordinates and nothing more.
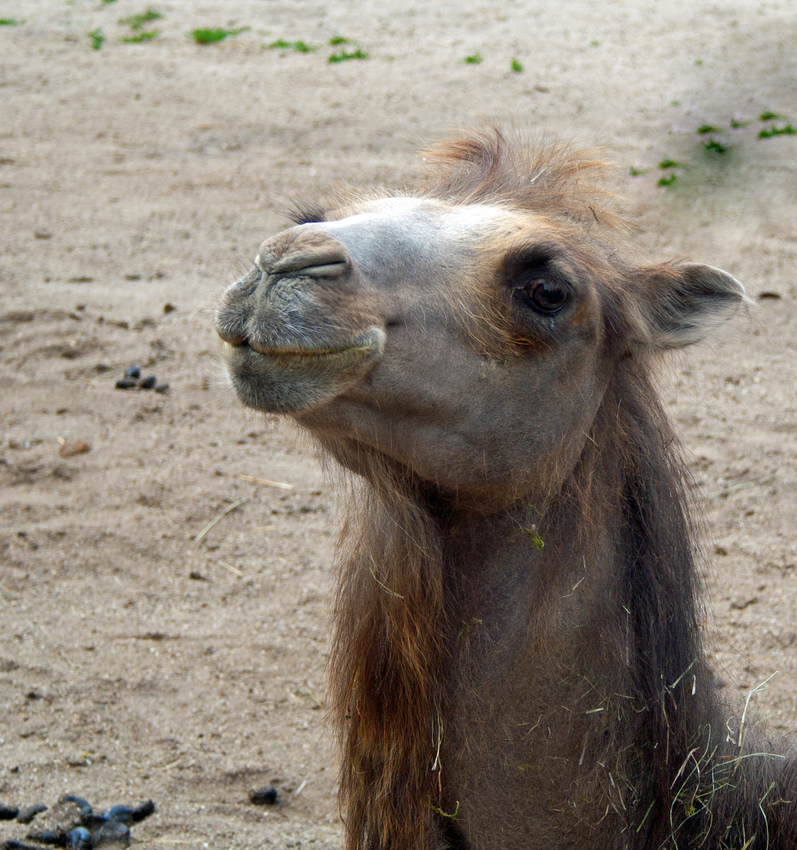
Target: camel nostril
(312, 264)
(230, 328)
(236, 340)
(325, 270)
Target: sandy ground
(137, 661)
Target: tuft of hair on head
(486, 166)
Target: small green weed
(339, 39)
(210, 35)
(768, 115)
(467, 626)
(137, 22)
(675, 103)
(446, 814)
(698, 61)
(706, 128)
(668, 179)
(594, 43)
(9, 22)
(516, 66)
(669, 163)
(298, 46)
(774, 130)
(737, 124)
(343, 55)
(713, 146)
(536, 541)
(97, 38)
(636, 172)
(473, 59)
(140, 37)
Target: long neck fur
(682, 784)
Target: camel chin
(295, 380)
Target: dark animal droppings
(119, 813)
(8, 812)
(112, 832)
(126, 384)
(148, 383)
(132, 372)
(144, 810)
(27, 814)
(84, 831)
(56, 837)
(82, 804)
(264, 796)
(80, 839)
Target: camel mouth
(368, 344)
(292, 379)
(311, 354)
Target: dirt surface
(140, 659)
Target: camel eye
(544, 295)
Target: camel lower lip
(291, 380)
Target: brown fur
(519, 664)
(553, 180)
(661, 749)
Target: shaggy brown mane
(660, 749)
(556, 180)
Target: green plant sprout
(706, 128)
(9, 22)
(137, 22)
(97, 38)
(774, 130)
(713, 146)
(473, 59)
(298, 46)
(343, 55)
(339, 39)
(140, 37)
(636, 172)
(668, 179)
(516, 66)
(210, 35)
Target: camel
(517, 660)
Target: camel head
(466, 331)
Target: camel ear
(681, 303)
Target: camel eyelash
(306, 214)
